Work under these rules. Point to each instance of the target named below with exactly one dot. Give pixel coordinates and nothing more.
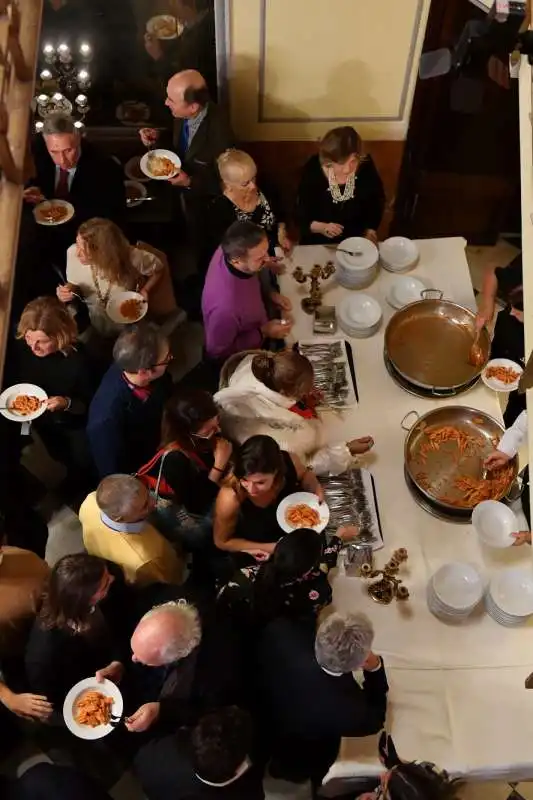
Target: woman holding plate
(101, 263)
(47, 353)
(245, 511)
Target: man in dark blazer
(308, 698)
(201, 132)
(69, 168)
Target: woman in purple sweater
(235, 317)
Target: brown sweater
(22, 578)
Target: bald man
(200, 134)
(184, 664)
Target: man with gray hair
(115, 527)
(70, 168)
(66, 167)
(309, 696)
(187, 662)
(125, 414)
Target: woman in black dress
(46, 353)
(82, 628)
(341, 193)
(245, 512)
(186, 471)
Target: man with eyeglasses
(124, 426)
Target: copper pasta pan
(429, 342)
(436, 463)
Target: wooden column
(20, 25)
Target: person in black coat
(211, 761)
(308, 698)
(69, 168)
(82, 628)
(341, 193)
(46, 353)
(201, 132)
(188, 661)
(125, 413)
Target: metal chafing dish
(428, 345)
(433, 472)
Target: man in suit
(70, 168)
(194, 48)
(200, 134)
(308, 698)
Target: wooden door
(461, 165)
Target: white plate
(512, 591)
(116, 300)
(154, 22)
(398, 253)
(9, 394)
(367, 254)
(405, 290)
(145, 160)
(495, 522)
(108, 688)
(45, 205)
(499, 386)
(360, 311)
(308, 499)
(458, 585)
(141, 188)
(132, 170)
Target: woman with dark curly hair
(75, 634)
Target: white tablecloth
(457, 691)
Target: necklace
(334, 188)
(102, 298)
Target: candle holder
(314, 276)
(389, 587)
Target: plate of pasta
(502, 375)
(302, 510)
(91, 709)
(23, 402)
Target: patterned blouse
(307, 595)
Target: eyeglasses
(163, 363)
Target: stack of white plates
(495, 523)
(398, 254)
(454, 591)
(358, 270)
(509, 599)
(405, 290)
(359, 315)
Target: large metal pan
(428, 344)
(434, 472)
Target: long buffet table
(457, 693)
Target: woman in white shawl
(272, 394)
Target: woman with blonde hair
(272, 394)
(102, 262)
(241, 199)
(46, 353)
(341, 193)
